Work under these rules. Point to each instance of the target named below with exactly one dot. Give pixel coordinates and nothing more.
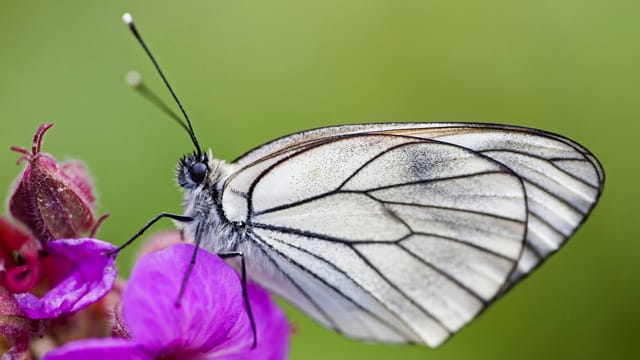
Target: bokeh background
(251, 70)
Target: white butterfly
(396, 232)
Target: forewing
(563, 180)
(382, 237)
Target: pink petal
(100, 349)
(211, 306)
(272, 327)
(87, 274)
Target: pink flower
(80, 273)
(55, 202)
(48, 270)
(211, 322)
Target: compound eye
(198, 172)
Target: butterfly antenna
(128, 20)
(134, 79)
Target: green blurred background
(251, 70)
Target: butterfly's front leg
(181, 218)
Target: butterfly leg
(245, 295)
(243, 273)
(187, 274)
(180, 218)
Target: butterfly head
(193, 170)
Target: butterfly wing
(404, 234)
(563, 179)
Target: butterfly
(390, 232)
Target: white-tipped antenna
(126, 17)
(128, 20)
(134, 79)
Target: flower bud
(54, 201)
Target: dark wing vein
(445, 274)
(338, 291)
(300, 232)
(295, 203)
(555, 166)
(299, 149)
(458, 241)
(376, 157)
(439, 207)
(527, 181)
(259, 244)
(337, 191)
(557, 158)
(392, 213)
(538, 217)
(533, 250)
(445, 178)
(333, 239)
(256, 180)
(401, 292)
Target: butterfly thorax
(202, 203)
